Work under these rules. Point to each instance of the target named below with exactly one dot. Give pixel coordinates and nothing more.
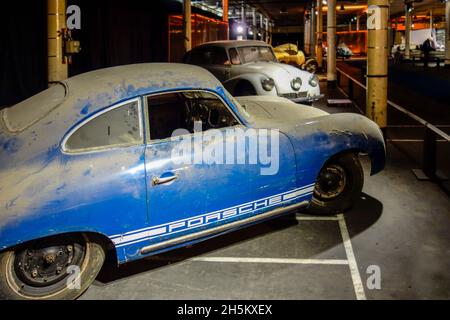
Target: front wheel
(54, 268)
(338, 185)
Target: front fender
(319, 139)
(254, 79)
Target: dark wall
(112, 33)
(282, 38)
(23, 50)
(121, 32)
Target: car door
(183, 190)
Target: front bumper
(299, 97)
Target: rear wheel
(338, 185)
(61, 267)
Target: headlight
(314, 81)
(296, 84)
(268, 84)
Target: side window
(234, 56)
(117, 127)
(208, 55)
(186, 110)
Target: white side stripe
(174, 227)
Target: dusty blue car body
(45, 191)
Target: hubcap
(331, 182)
(42, 268)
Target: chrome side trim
(222, 228)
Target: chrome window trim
(147, 114)
(103, 148)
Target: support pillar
(266, 20)
(56, 22)
(254, 28)
(225, 16)
(312, 41)
(244, 23)
(357, 23)
(319, 34)
(261, 26)
(377, 61)
(187, 25)
(447, 34)
(407, 32)
(307, 35)
(331, 40)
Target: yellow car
(288, 53)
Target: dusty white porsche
(250, 68)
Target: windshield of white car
(256, 53)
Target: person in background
(427, 46)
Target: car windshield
(256, 53)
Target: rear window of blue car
(22, 115)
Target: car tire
(27, 273)
(338, 185)
(244, 89)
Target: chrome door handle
(158, 180)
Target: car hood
(282, 73)
(277, 112)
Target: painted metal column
(357, 23)
(187, 25)
(407, 32)
(431, 19)
(307, 34)
(225, 16)
(243, 22)
(447, 34)
(312, 42)
(377, 61)
(266, 20)
(261, 26)
(319, 34)
(331, 40)
(254, 27)
(56, 22)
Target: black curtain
(117, 32)
(113, 32)
(23, 50)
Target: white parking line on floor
(356, 277)
(270, 260)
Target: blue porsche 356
(88, 166)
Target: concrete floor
(399, 224)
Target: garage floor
(399, 224)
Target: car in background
(343, 51)
(91, 168)
(290, 54)
(250, 68)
